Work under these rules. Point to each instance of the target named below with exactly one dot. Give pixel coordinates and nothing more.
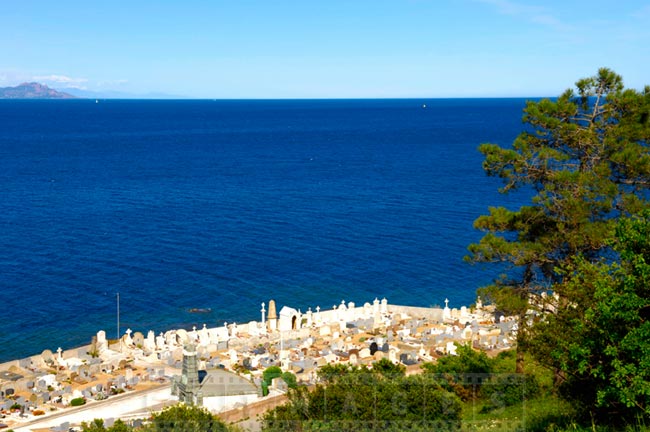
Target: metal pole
(118, 316)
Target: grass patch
(544, 413)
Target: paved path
(137, 404)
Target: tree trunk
(558, 377)
(521, 337)
(519, 365)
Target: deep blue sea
(226, 204)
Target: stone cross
(446, 313)
(263, 314)
(127, 340)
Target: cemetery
(221, 367)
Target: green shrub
(270, 373)
(290, 379)
(364, 399)
(463, 374)
(509, 389)
(78, 401)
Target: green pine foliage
(584, 157)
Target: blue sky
(323, 48)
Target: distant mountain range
(32, 90)
(113, 94)
(36, 90)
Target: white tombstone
(234, 331)
(160, 341)
(150, 341)
(343, 311)
(102, 343)
(317, 317)
(127, 337)
(204, 335)
(479, 303)
(182, 337)
(253, 329)
(298, 320)
(220, 334)
(384, 306)
(263, 311)
(262, 330)
(308, 342)
(375, 307)
(288, 319)
(352, 312)
(232, 354)
(325, 331)
(310, 317)
(467, 333)
(451, 348)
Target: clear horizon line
(285, 98)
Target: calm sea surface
(226, 204)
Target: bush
(78, 401)
(270, 373)
(509, 389)
(290, 379)
(364, 399)
(463, 374)
(182, 418)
